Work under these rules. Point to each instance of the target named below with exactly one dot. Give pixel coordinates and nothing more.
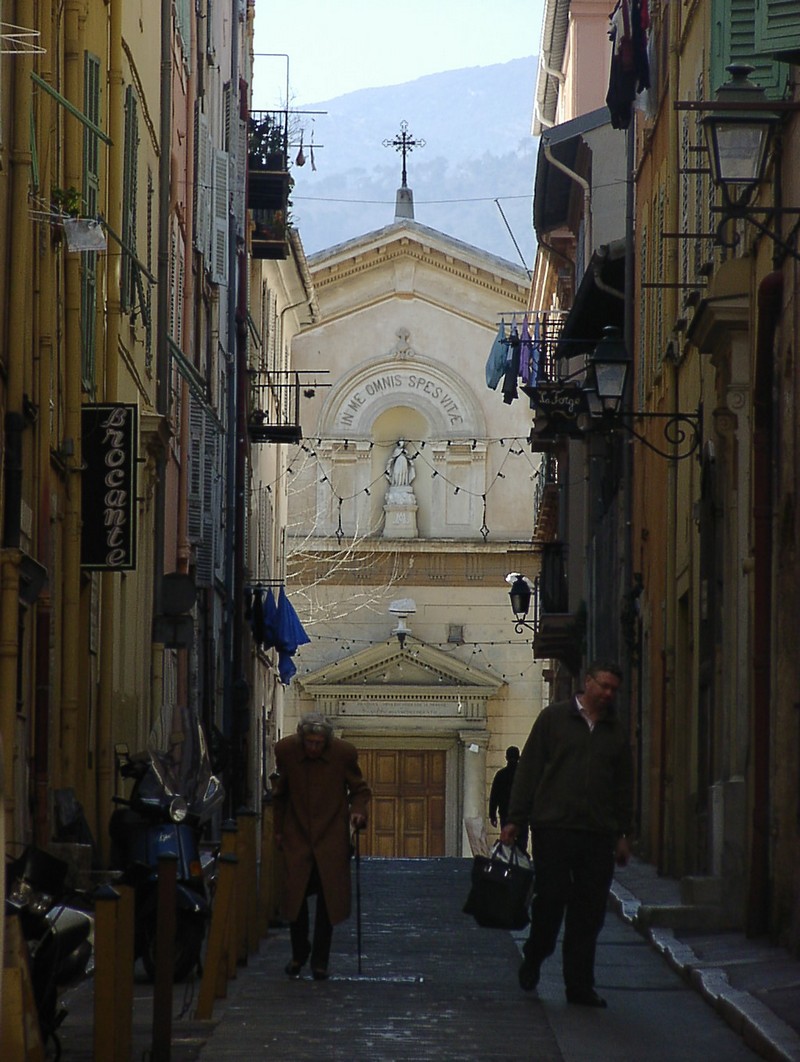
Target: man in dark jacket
(574, 785)
(500, 794)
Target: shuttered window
(734, 41)
(778, 28)
(203, 155)
(219, 234)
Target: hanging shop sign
(108, 486)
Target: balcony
(268, 182)
(274, 410)
(269, 236)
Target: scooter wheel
(189, 933)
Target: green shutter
(778, 28)
(733, 40)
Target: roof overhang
(554, 190)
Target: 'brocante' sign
(108, 486)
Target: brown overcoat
(313, 801)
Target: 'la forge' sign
(108, 486)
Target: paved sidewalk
(754, 986)
(433, 982)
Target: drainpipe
(73, 743)
(770, 298)
(18, 263)
(162, 329)
(669, 752)
(587, 199)
(45, 301)
(104, 785)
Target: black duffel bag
(502, 886)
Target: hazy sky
(338, 47)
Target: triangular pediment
(416, 666)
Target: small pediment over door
(417, 683)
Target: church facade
(405, 514)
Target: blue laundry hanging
(498, 355)
(291, 635)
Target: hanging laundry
(512, 369)
(257, 617)
(301, 158)
(270, 624)
(291, 635)
(630, 68)
(538, 367)
(496, 362)
(525, 351)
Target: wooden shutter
(733, 28)
(202, 182)
(219, 234)
(778, 28)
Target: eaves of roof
(553, 189)
(555, 25)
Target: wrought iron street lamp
(739, 134)
(520, 597)
(605, 388)
(741, 126)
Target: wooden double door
(407, 814)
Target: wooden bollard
(214, 982)
(19, 1020)
(123, 972)
(165, 958)
(229, 846)
(247, 885)
(266, 885)
(113, 978)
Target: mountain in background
(478, 148)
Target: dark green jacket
(571, 777)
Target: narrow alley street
(435, 986)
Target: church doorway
(407, 814)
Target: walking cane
(358, 901)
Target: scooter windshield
(180, 761)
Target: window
(778, 29)
(733, 28)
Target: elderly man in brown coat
(319, 796)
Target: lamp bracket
(680, 429)
(734, 212)
(520, 625)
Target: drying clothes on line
(525, 350)
(496, 362)
(276, 626)
(630, 67)
(512, 369)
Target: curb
(761, 1030)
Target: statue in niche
(400, 506)
(400, 468)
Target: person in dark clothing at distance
(500, 794)
(574, 785)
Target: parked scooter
(59, 932)
(174, 794)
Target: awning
(554, 190)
